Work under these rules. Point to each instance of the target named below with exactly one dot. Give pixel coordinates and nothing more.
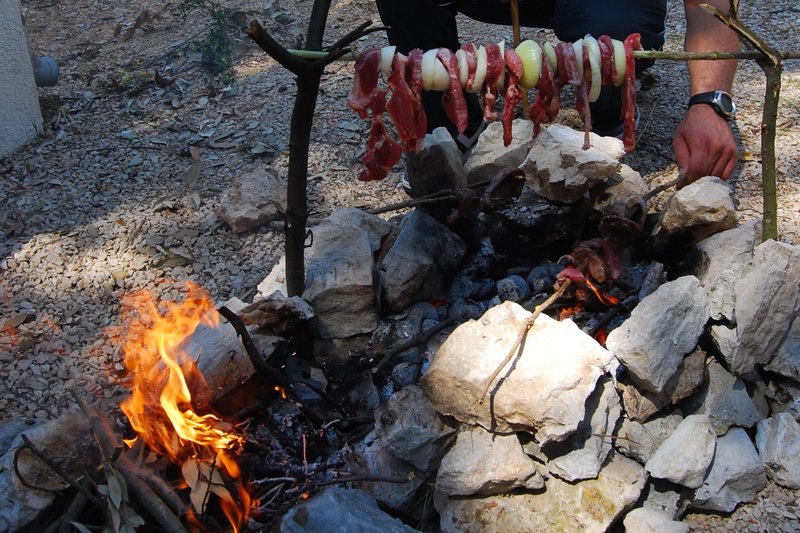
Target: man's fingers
(681, 150)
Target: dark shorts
(428, 24)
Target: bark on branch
(771, 62)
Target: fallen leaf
(193, 200)
(190, 177)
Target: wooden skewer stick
(517, 40)
(638, 54)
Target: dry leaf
(190, 177)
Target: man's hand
(704, 145)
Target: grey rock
(11, 429)
(489, 156)
(484, 463)
(376, 227)
(620, 191)
(787, 361)
(640, 404)
(643, 520)
(590, 447)
(253, 199)
(533, 223)
(559, 169)
(340, 510)
(412, 430)
(661, 330)
(726, 401)
(276, 279)
(421, 262)
(722, 260)
(513, 288)
(541, 278)
(341, 281)
(640, 441)
(547, 390)
(372, 455)
(684, 456)
(663, 496)
(587, 506)
(737, 474)
(437, 166)
(20, 505)
(767, 302)
(694, 213)
(778, 441)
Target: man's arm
(704, 144)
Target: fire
(605, 299)
(160, 406)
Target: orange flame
(605, 299)
(160, 406)
(567, 312)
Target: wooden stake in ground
(517, 39)
(771, 63)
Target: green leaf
(80, 527)
(115, 489)
(116, 519)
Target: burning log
(161, 411)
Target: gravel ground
(102, 203)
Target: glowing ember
(160, 406)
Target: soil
(103, 203)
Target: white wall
(20, 117)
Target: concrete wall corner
(20, 116)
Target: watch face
(725, 102)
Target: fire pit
(472, 365)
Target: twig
(526, 326)
(661, 188)
(435, 197)
(107, 441)
(368, 477)
(421, 338)
(74, 510)
(275, 376)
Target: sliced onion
(480, 71)
(463, 67)
(619, 61)
(434, 75)
(593, 49)
(502, 77)
(530, 53)
(578, 47)
(387, 57)
(550, 51)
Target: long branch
(638, 54)
(527, 325)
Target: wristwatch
(719, 100)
